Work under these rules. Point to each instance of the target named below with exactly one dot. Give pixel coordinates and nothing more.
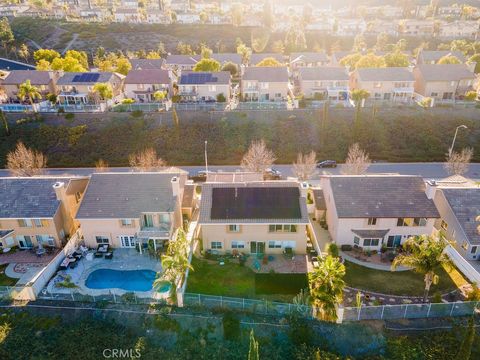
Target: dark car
(272, 174)
(327, 164)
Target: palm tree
(27, 90)
(424, 254)
(326, 286)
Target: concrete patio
(280, 264)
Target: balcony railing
(161, 231)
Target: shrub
(231, 326)
(69, 116)
(346, 247)
(333, 250)
(221, 98)
(128, 101)
(309, 198)
(165, 323)
(437, 297)
(129, 298)
(299, 332)
(137, 113)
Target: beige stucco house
(371, 211)
(264, 217)
(389, 84)
(126, 209)
(204, 86)
(416, 27)
(308, 59)
(447, 82)
(265, 84)
(141, 85)
(433, 56)
(44, 81)
(38, 210)
(324, 83)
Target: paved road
(426, 170)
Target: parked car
(327, 164)
(272, 174)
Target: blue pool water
(130, 280)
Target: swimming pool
(130, 280)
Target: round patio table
(6, 250)
(41, 251)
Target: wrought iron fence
(146, 107)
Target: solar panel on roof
(87, 77)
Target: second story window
(126, 222)
(233, 228)
(418, 221)
(40, 222)
(282, 228)
(372, 221)
(24, 222)
(444, 225)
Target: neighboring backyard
(406, 283)
(4, 279)
(233, 280)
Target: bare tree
(146, 160)
(357, 161)
(101, 165)
(25, 162)
(258, 158)
(305, 166)
(458, 162)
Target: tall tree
(396, 59)
(101, 165)
(305, 166)
(268, 62)
(24, 52)
(103, 91)
(449, 59)
(253, 352)
(425, 255)
(357, 161)
(459, 162)
(5, 122)
(25, 162)
(207, 65)
(146, 160)
(6, 34)
(258, 158)
(326, 287)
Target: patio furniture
(101, 250)
(89, 256)
(271, 257)
(6, 250)
(109, 255)
(98, 255)
(256, 265)
(73, 264)
(40, 252)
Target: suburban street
(426, 170)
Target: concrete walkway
(320, 236)
(370, 265)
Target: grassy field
(4, 279)
(398, 282)
(392, 135)
(240, 281)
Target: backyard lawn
(399, 282)
(4, 279)
(234, 280)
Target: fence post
(429, 307)
(135, 295)
(93, 297)
(266, 309)
(359, 311)
(243, 306)
(199, 300)
(453, 307)
(383, 309)
(114, 298)
(73, 297)
(405, 314)
(221, 301)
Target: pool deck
(123, 259)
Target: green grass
(394, 283)
(4, 279)
(234, 280)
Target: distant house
(432, 56)
(141, 85)
(446, 82)
(274, 221)
(459, 29)
(128, 210)
(351, 27)
(265, 84)
(204, 86)
(258, 57)
(147, 64)
(188, 17)
(180, 62)
(76, 88)
(309, 59)
(158, 17)
(9, 65)
(416, 27)
(127, 15)
(391, 83)
(44, 81)
(224, 58)
(324, 82)
(38, 210)
(371, 211)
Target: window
(289, 244)
(164, 218)
(278, 95)
(434, 94)
(473, 250)
(387, 96)
(419, 221)
(372, 221)
(37, 222)
(25, 223)
(238, 244)
(45, 240)
(356, 240)
(126, 222)
(444, 225)
(282, 228)
(447, 95)
(78, 196)
(102, 240)
(371, 242)
(412, 222)
(234, 228)
(274, 244)
(216, 245)
(212, 88)
(377, 84)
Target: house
(319, 203)
(337, 56)
(432, 56)
(93, 14)
(391, 83)
(127, 15)
(125, 209)
(444, 82)
(224, 58)
(188, 18)
(459, 29)
(9, 65)
(265, 84)
(141, 85)
(180, 62)
(375, 211)
(321, 25)
(264, 217)
(378, 26)
(233, 176)
(458, 202)
(76, 88)
(38, 210)
(44, 81)
(416, 27)
(158, 17)
(147, 64)
(256, 58)
(204, 86)
(308, 59)
(324, 83)
(453, 11)
(351, 27)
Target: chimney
(175, 186)
(431, 188)
(60, 190)
(304, 189)
(471, 66)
